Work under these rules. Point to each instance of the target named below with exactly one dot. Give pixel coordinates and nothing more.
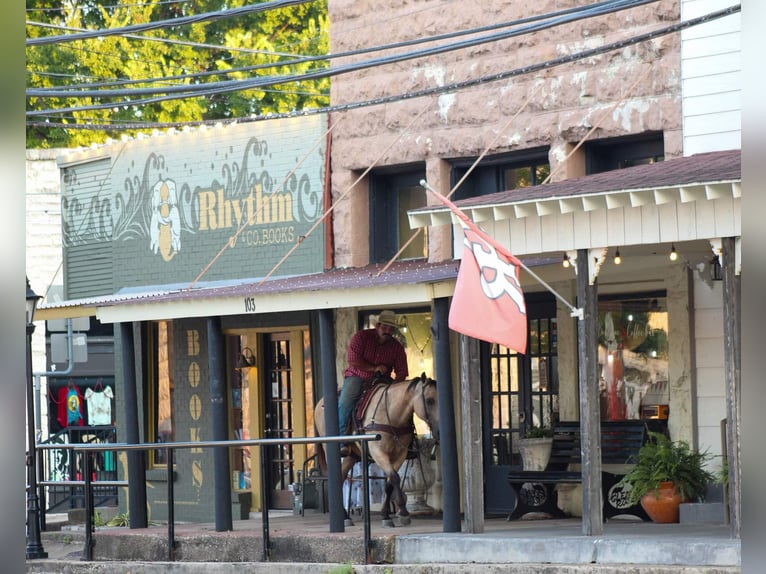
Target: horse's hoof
(348, 522)
(403, 520)
(388, 523)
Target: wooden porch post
(732, 369)
(590, 443)
(470, 384)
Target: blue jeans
(349, 394)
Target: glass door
(519, 390)
(280, 471)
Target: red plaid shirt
(364, 345)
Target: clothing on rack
(99, 406)
(69, 409)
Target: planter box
(701, 513)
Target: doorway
(519, 391)
(278, 419)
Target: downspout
(54, 373)
(329, 243)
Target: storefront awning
(682, 199)
(403, 283)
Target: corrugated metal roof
(400, 272)
(698, 169)
(371, 276)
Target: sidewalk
(305, 544)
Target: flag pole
(573, 311)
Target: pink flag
(488, 303)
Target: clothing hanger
(98, 386)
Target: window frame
(385, 212)
(489, 175)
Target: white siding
(43, 242)
(709, 368)
(711, 79)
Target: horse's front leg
(399, 498)
(385, 509)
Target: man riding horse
(372, 354)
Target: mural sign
(227, 203)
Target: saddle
(361, 407)
(363, 402)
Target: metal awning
(403, 283)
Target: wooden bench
(536, 489)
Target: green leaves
(269, 43)
(662, 460)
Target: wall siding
(711, 79)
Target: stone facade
(629, 91)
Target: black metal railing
(59, 467)
(89, 450)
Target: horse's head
(426, 402)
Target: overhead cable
(589, 53)
(346, 54)
(181, 21)
(249, 84)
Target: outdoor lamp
(34, 545)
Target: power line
(352, 53)
(181, 21)
(221, 87)
(170, 41)
(131, 5)
(446, 88)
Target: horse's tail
(319, 449)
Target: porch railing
(89, 450)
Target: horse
(389, 413)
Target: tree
(191, 54)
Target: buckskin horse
(388, 412)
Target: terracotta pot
(662, 504)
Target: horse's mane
(422, 378)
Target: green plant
(98, 520)
(538, 432)
(723, 474)
(663, 460)
(122, 519)
(342, 569)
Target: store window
(414, 333)
(391, 196)
(633, 357)
(162, 386)
(618, 153)
(500, 173)
(244, 371)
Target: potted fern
(535, 447)
(666, 473)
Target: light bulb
(565, 262)
(617, 258)
(673, 253)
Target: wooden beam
(470, 383)
(732, 368)
(590, 443)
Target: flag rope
(573, 311)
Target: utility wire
(239, 85)
(170, 41)
(174, 22)
(437, 89)
(357, 52)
